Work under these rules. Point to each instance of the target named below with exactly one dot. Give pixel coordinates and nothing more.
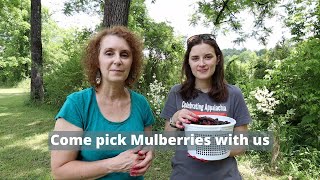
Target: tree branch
(225, 4)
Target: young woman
(204, 91)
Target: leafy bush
(295, 82)
(294, 118)
(64, 80)
(156, 96)
(66, 77)
(284, 98)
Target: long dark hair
(218, 91)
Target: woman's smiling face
(115, 59)
(203, 61)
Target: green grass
(23, 137)
(24, 150)
(161, 166)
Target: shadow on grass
(24, 138)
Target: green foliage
(156, 95)
(239, 67)
(164, 51)
(230, 52)
(291, 75)
(225, 16)
(69, 76)
(282, 93)
(54, 49)
(87, 6)
(14, 42)
(63, 81)
(297, 75)
(15, 62)
(232, 71)
(302, 163)
(62, 55)
(303, 19)
(260, 68)
(163, 55)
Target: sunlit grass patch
(34, 123)
(36, 142)
(6, 137)
(13, 91)
(5, 114)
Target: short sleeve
(71, 113)
(149, 117)
(170, 106)
(241, 112)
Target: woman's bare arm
(65, 166)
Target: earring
(98, 77)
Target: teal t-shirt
(81, 109)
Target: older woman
(204, 86)
(113, 62)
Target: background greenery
(281, 85)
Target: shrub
(67, 75)
(63, 81)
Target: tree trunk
(116, 12)
(275, 149)
(37, 93)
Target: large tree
(115, 12)
(37, 93)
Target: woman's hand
(184, 116)
(141, 167)
(240, 149)
(125, 160)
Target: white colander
(213, 151)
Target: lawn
(23, 137)
(24, 150)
